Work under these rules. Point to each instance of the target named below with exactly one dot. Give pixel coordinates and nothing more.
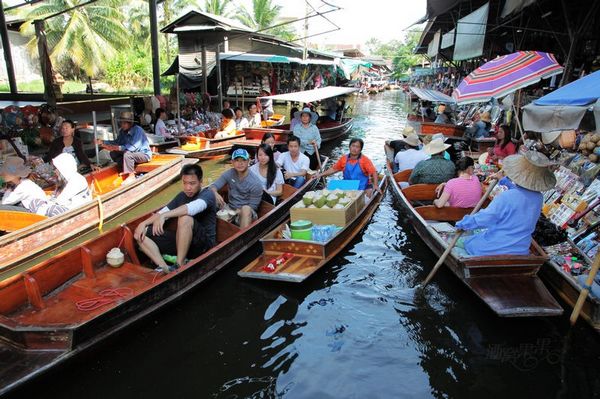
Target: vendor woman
(503, 146)
(356, 166)
(511, 217)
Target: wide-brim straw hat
(436, 146)
(530, 170)
(408, 130)
(439, 136)
(550, 137)
(313, 115)
(14, 166)
(486, 117)
(412, 140)
(125, 116)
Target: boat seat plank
(157, 161)
(420, 192)
(445, 214)
(402, 176)
(515, 296)
(296, 269)
(264, 208)
(225, 229)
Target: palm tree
(84, 38)
(217, 7)
(264, 14)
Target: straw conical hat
(408, 130)
(436, 146)
(530, 171)
(412, 140)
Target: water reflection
(355, 329)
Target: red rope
(104, 297)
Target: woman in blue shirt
(510, 219)
(309, 135)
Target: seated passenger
(436, 169)
(294, 163)
(195, 209)
(398, 144)
(511, 217)
(24, 192)
(160, 129)
(228, 127)
(504, 146)
(293, 120)
(442, 117)
(240, 121)
(269, 139)
(76, 191)
(71, 144)
(412, 155)
(268, 173)
(356, 166)
(463, 191)
(130, 148)
(245, 189)
(253, 117)
(480, 128)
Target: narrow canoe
(329, 130)
(508, 284)
(447, 129)
(112, 198)
(206, 148)
(43, 314)
(274, 120)
(309, 256)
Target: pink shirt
(464, 192)
(501, 153)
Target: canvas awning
(432, 95)
(308, 96)
(252, 57)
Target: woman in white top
(160, 129)
(268, 173)
(240, 121)
(76, 190)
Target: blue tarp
(584, 91)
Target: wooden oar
(585, 291)
(452, 243)
(318, 156)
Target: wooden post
(204, 77)
(10, 70)
(46, 65)
(154, 45)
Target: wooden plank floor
(296, 269)
(61, 310)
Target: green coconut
(319, 202)
(332, 200)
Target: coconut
(300, 205)
(311, 206)
(339, 193)
(339, 206)
(582, 146)
(596, 137)
(344, 201)
(593, 157)
(332, 200)
(325, 193)
(320, 201)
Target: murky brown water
(353, 330)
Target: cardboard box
(326, 215)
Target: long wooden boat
(274, 120)
(447, 129)
(508, 284)
(206, 147)
(111, 199)
(417, 118)
(63, 306)
(569, 289)
(329, 130)
(308, 256)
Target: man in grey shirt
(245, 189)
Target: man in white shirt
(410, 157)
(294, 163)
(253, 116)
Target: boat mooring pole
(95, 136)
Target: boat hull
(329, 130)
(29, 242)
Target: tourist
(23, 191)
(253, 116)
(76, 191)
(240, 121)
(245, 189)
(266, 104)
(228, 126)
(268, 173)
(293, 120)
(269, 139)
(130, 148)
(412, 155)
(510, 219)
(195, 209)
(356, 166)
(503, 146)
(70, 144)
(309, 135)
(442, 117)
(295, 164)
(436, 169)
(160, 129)
(226, 104)
(480, 127)
(398, 144)
(463, 191)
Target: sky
(359, 20)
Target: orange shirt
(365, 164)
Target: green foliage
(217, 7)
(401, 52)
(129, 71)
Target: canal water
(354, 330)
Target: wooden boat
(329, 130)
(274, 120)
(447, 129)
(569, 289)
(111, 199)
(508, 284)
(417, 118)
(206, 147)
(48, 314)
(309, 256)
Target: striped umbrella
(504, 75)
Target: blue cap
(240, 153)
